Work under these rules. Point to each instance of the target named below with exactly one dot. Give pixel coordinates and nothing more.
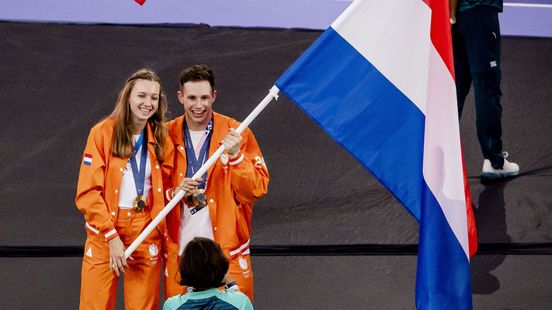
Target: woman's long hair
(122, 144)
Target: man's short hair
(203, 264)
(197, 73)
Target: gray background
(58, 80)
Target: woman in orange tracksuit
(127, 158)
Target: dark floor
(58, 80)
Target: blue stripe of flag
(363, 111)
(443, 273)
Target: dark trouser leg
(480, 33)
(487, 93)
(461, 69)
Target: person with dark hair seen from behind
(219, 204)
(126, 161)
(476, 46)
(202, 269)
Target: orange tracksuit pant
(240, 270)
(141, 279)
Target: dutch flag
(87, 159)
(380, 82)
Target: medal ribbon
(139, 175)
(197, 158)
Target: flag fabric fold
(380, 82)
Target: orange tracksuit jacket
(233, 185)
(98, 199)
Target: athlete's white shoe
(508, 170)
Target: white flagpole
(273, 93)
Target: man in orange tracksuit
(231, 185)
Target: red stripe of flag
(440, 31)
(441, 38)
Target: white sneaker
(508, 170)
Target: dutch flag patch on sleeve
(87, 159)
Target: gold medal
(197, 201)
(199, 198)
(140, 203)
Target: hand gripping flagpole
(272, 93)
